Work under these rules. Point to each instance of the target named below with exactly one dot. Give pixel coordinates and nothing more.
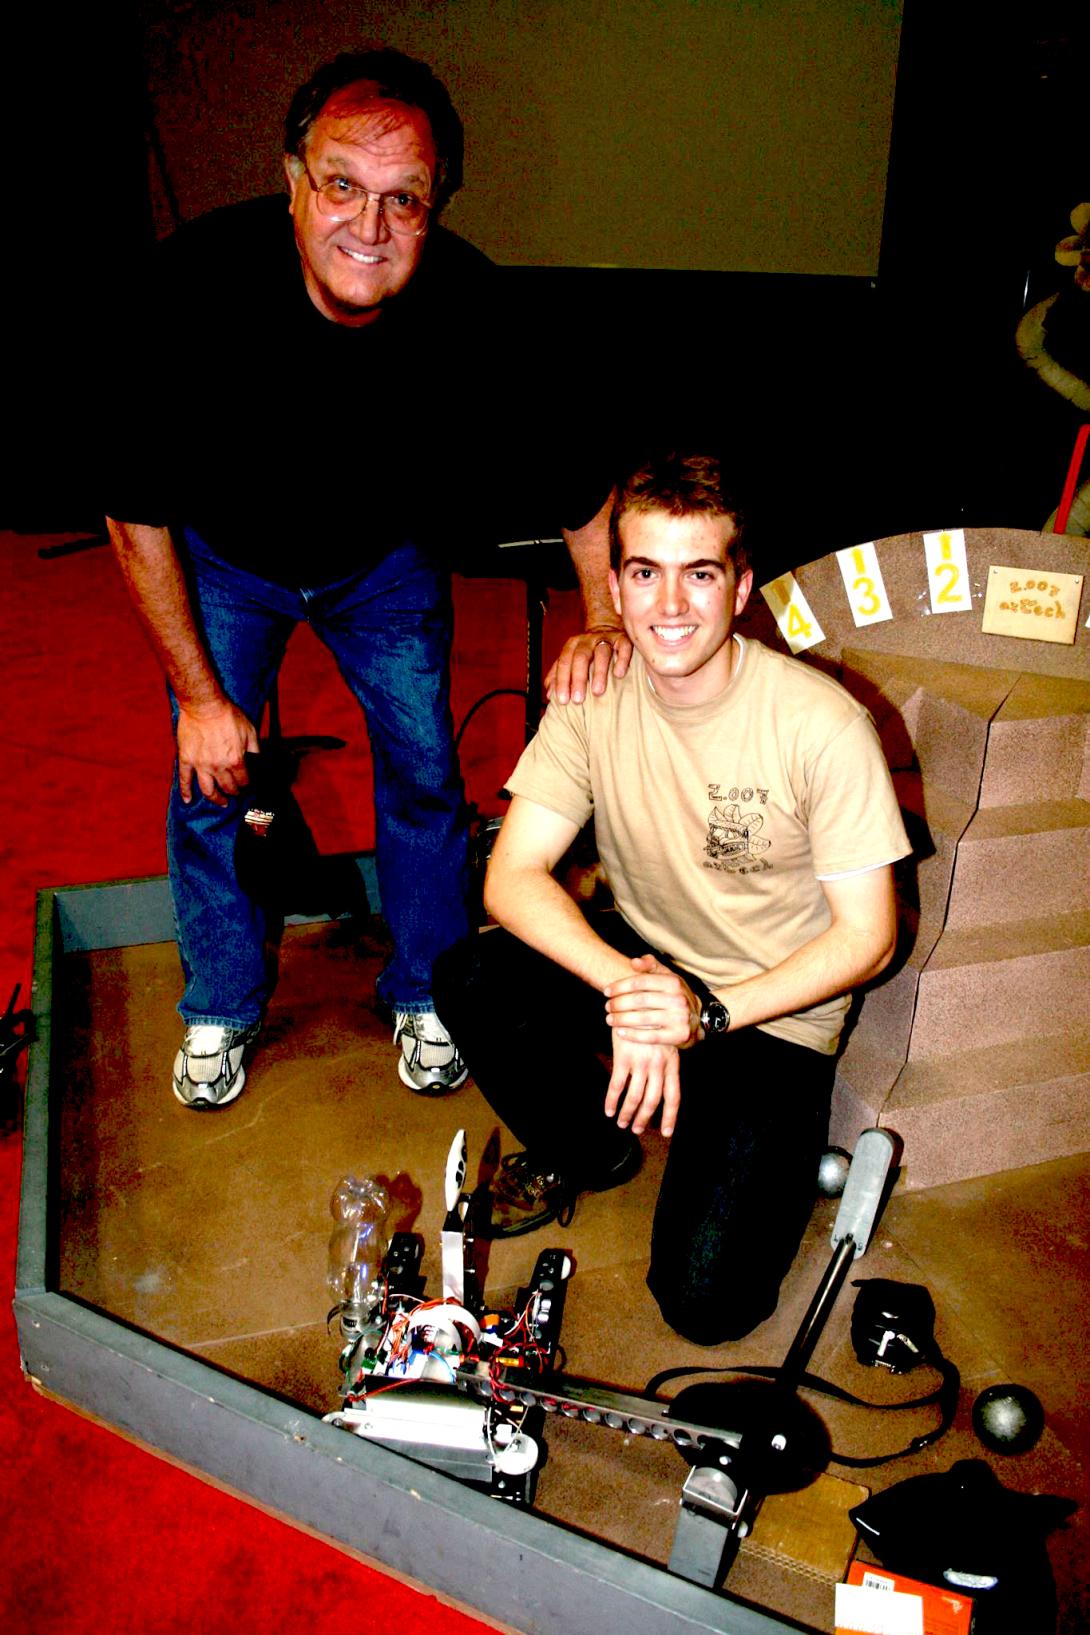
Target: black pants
(741, 1175)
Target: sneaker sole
(493, 1232)
(202, 1106)
(434, 1087)
(628, 1168)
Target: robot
(438, 1379)
(466, 1386)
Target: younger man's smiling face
(678, 596)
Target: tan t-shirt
(715, 822)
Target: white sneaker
(429, 1062)
(208, 1070)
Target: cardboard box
(874, 1601)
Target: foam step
(947, 710)
(894, 701)
(992, 770)
(1014, 860)
(880, 1028)
(992, 1108)
(936, 822)
(1001, 982)
(864, 1082)
(1038, 744)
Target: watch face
(714, 1018)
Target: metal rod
(817, 1313)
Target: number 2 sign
(948, 571)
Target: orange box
(945, 1612)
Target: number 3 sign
(863, 583)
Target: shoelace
(406, 1029)
(521, 1177)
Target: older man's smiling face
(352, 267)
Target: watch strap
(707, 999)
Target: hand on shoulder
(584, 663)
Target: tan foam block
(935, 821)
(848, 1117)
(894, 685)
(951, 742)
(893, 696)
(1040, 935)
(992, 1109)
(875, 1047)
(1037, 747)
(1038, 760)
(882, 1023)
(950, 708)
(1019, 1064)
(862, 1088)
(978, 690)
(870, 1074)
(940, 812)
(1018, 859)
(993, 984)
(1035, 696)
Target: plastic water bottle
(359, 1242)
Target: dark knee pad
(715, 1321)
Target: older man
(747, 824)
(295, 434)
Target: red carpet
(96, 1534)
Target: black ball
(1008, 1418)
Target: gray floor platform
(171, 1282)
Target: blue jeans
(389, 630)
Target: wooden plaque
(1032, 603)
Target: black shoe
(526, 1196)
(621, 1170)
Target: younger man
(747, 825)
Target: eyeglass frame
(379, 198)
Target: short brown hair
(398, 78)
(683, 485)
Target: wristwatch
(714, 1015)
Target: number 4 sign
(948, 571)
(792, 613)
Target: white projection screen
(728, 135)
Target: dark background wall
(858, 404)
(987, 161)
(743, 134)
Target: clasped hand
(654, 1014)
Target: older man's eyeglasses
(342, 200)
